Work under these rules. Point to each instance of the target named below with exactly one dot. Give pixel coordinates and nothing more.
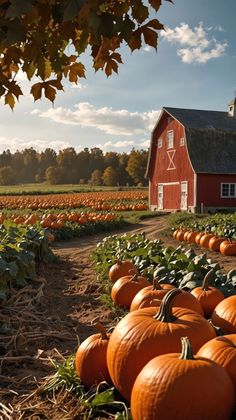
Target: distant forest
(89, 166)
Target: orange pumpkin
(205, 239)
(90, 358)
(180, 234)
(224, 315)
(222, 350)
(182, 387)
(215, 242)
(228, 248)
(208, 296)
(125, 288)
(121, 269)
(192, 237)
(147, 294)
(146, 333)
(198, 237)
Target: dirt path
(52, 321)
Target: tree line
(89, 166)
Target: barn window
(181, 142)
(228, 190)
(159, 143)
(170, 139)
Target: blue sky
(194, 67)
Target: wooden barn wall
(160, 162)
(209, 190)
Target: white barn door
(184, 195)
(160, 197)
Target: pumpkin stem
(205, 285)
(101, 329)
(165, 312)
(187, 351)
(156, 284)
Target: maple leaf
(36, 90)
(76, 70)
(9, 100)
(50, 92)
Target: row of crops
(174, 308)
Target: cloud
(115, 122)
(39, 145)
(199, 47)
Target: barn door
(160, 197)
(184, 196)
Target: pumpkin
(147, 294)
(146, 333)
(192, 237)
(180, 235)
(186, 235)
(224, 315)
(228, 247)
(205, 239)
(121, 269)
(215, 242)
(90, 358)
(182, 387)
(145, 298)
(198, 237)
(222, 350)
(124, 289)
(208, 296)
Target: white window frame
(229, 185)
(170, 139)
(182, 141)
(159, 143)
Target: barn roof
(210, 138)
(199, 119)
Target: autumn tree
(7, 176)
(53, 175)
(110, 176)
(46, 39)
(137, 164)
(67, 161)
(46, 158)
(96, 177)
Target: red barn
(192, 160)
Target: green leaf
(103, 398)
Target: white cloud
(39, 145)
(199, 47)
(115, 122)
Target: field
(45, 188)
(43, 320)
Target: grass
(64, 188)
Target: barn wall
(209, 191)
(160, 162)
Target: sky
(194, 67)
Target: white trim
(171, 155)
(169, 183)
(168, 132)
(160, 191)
(149, 193)
(181, 206)
(194, 190)
(221, 189)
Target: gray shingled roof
(193, 118)
(210, 137)
(212, 151)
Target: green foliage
(47, 38)
(20, 248)
(95, 402)
(219, 224)
(177, 266)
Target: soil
(48, 319)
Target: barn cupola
(232, 108)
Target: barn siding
(159, 163)
(209, 190)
